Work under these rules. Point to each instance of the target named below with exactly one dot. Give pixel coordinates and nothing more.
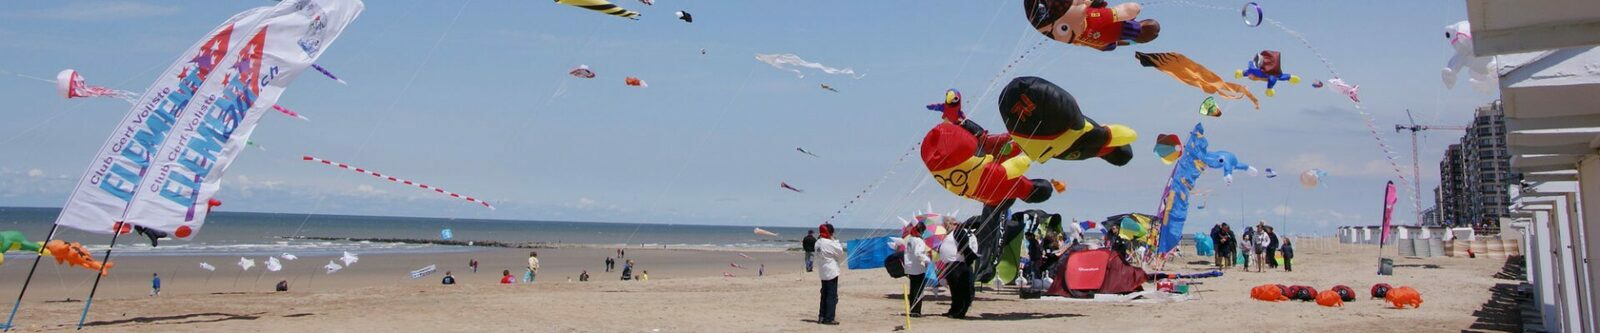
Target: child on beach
(644, 276)
(505, 277)
(473, 264)
(1288, 255)
(449, 280)
(533, 267)
(155, 284)
(584, 277)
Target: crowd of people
(1259, 244)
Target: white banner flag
(188, 167)
(103, 193)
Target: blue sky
(482, 105)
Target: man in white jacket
(915, 263)
(829, 254)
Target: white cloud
(35, 173)
(96, 11)
(368, 189)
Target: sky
(473, 96)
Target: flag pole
(104, 262)
(25, 282)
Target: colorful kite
(648, 2)
(1312, 178)
(1345, 89)
(246, 263)
(791, 188)
(446, 234)
(825, 86)
(1174, 208)
(325, 72)
(1482, 68)
(582, 72)
(291, 113)
(1168, 148)
(1267, 66)
(1131, 226)
(1209, 107)
(789, 61)
(1247, 10)
(803, 151)
(1271, 174)
(602, 6)
(1091, 24)
(636, 82)
(951, 155)
(74, 254)
(1044, 121)
(683, 15)
(71, 85)
(1193, 74)
(15, 240)
(1316, 84)
(398, 180)
(763, 232)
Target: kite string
(373, 128)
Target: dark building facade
(1475, 173)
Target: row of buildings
(1475, 175)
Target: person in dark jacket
(1228, 245)
(1216, 242)
(810, 245)
(1035, 257)
(1288, 255)
(449, 279)
(1272, 248)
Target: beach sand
(688, 293)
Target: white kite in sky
(246, 263)
(208, 267)
(289, 257)
(273, 265)
(332, 267)
(789, 62)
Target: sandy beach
(687, 292)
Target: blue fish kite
(1174, 209)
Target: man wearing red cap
(830, 253)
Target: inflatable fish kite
(75, 254)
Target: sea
(258, 234)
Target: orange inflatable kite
(1329, 298)
(1187, 71)
(1268, 292)
(1403, 296)
(75, 254)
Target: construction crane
(1416, 164)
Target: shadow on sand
(210, 317)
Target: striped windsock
(602, 6)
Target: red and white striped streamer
(398, 180)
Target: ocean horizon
(256, 233)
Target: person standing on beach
(832, 253)
(958, 252)
(1288, 255)
(1229, 246)
(474, 265)
(1247, 245)
(1035, 258)
(1272, 248)
(610, 263)
(809, 244)
(915, 261)
(1216, 241)
(533, 267)
(155, 284)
